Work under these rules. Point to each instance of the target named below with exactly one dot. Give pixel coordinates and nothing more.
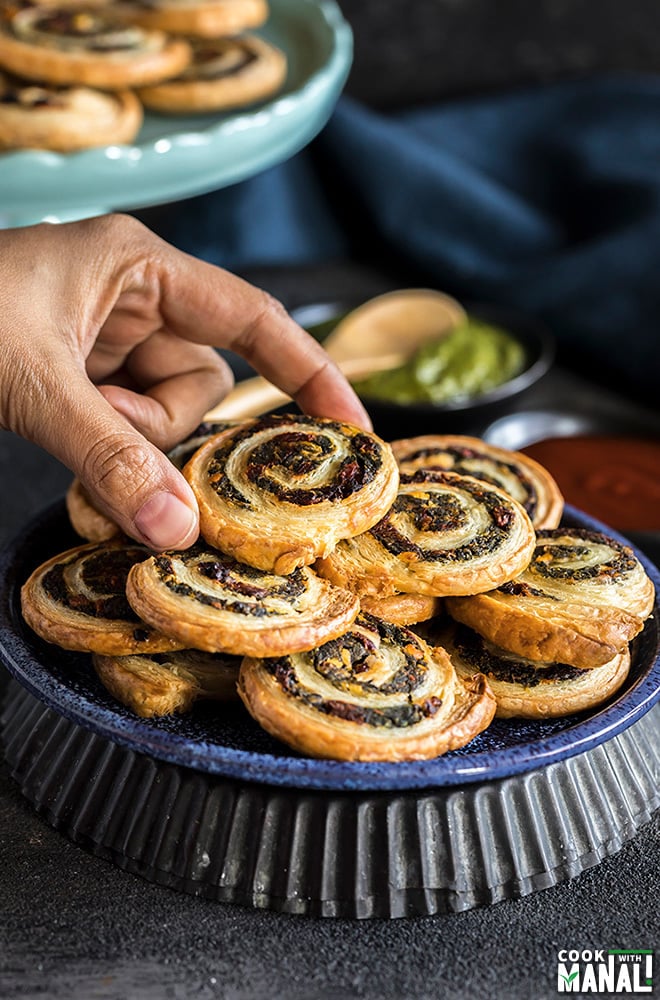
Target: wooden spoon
(380, 334)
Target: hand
(105, 360)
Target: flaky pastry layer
(210, 602)
(64, 119)
(531, 689)
(165, 683)
(226, 73)
(280, 491)
(67, 47)
(402, 609)
(521, 477)
(444, 534)
(376, 693)
(580, 601)
(77, 600)
(200, 18)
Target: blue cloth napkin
(547, 200)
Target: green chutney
(469, 361)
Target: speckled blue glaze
(224, 740)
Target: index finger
(208, 305)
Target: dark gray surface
(414, 51)
(77, 928)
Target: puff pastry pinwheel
(444, 534)
(71, 45)
(521, 477)
(224, 73)
(64, 118)
(280, 491)
(197, 18)
(164, 683)
(531, 689)
(85, 519)
(378, 692)
(77, 600)
(582, 598)
(91, 524)
(211, 602)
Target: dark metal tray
(333, 854)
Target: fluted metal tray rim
(413, 901)
(307, 852)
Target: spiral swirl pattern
(582, 598)
(64, 119)
(73, 30)
(377, 692)
(181, 453)
(78, 600)
(278, 492)
(521, 477)
(214, 603)
(219, 59)
(225, 72)
(589, 560)
(68, 45)
(444, 534)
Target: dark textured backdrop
(416, 51)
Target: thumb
(124, 475)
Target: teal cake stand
(178, 157)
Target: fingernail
(364, 420)
(165, 522)
(367, 422)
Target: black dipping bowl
(467, 416)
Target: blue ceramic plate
(224, 740)
(177, 157)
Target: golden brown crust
(579, 635)
(226, 73)
(213, 603)
(444, 534)
(85, 519)
(64, 119)
(520, 476)
(580, 601)
(531, 689)
(402, 609)
(166, 683)
(40, 44)
(77, 600)
(380, 694)
(280, 491)
(209, 19)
